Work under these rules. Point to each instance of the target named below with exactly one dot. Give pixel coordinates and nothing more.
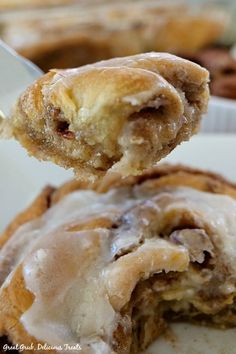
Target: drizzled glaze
(72, 274)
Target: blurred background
(71, 33)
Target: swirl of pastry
(104, 268)
(120, 115)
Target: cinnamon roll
(121, 115)
(108, 265)
(79, 35)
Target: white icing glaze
(15, 249)
(143, 97)
(216, 211)
(78, 206)
(70, 302)
(65, 269)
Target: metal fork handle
(16, 74)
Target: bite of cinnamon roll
(121, 115)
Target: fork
(16, 74)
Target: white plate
(22, 177)
(191, 339)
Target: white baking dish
(221, 117)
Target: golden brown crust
(122, 115)
(176, 175)
(36, 209)
(13, 309)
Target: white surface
(191, 339)
(22, 177)
(221, 116)
(208, 151)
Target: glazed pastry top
(76, 257)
